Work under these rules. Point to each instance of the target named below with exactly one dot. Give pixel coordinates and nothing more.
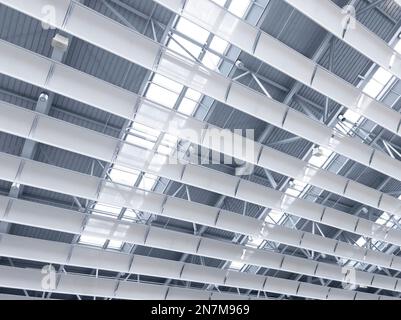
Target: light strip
(111, 36)
(163, 239)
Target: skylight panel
(164, 150)
(123, 175)
(193, 95)
(219, 45)
(320, 156)
(293, 192)
(298, 185)
(236, 265)
(167, 83)
(361, 241)
(211, 61)
(114, 244)
(382, 76)
(220, 2)
(192, 30)
(373, 88)
(140, 142)
(274, 216)
(317, 161)
(255, 242)
(239, 7)
(385, 220)
(167, 144)
(169, 140)
(92, 240)
(148, 181)
(142, 136)
(397, 47)
(352, 116)
(347, 121)
(100, 208)
(145, 131)
(191, 50)
(162, 95)
(130, 215)
(187, 106)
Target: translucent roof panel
(187, 106)
(92, 241)
(236, 265)
(373, 88)
(239, 7)
(193, 94)
(167, 144)
(124, 175)
(100, 208)
(220, 2)
(114, 244)
(382, 76)
(320, 157)
(219, 45)
(274, 216)
(184, 47)
(130, 215)
(148, 181)
(192, 30)
(255, 242)
(162, 95)
(167, 83)
(211, 61)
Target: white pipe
(42, 216)
(33, 279)
(342, 23)
(139, 234)
(119, 40)
(60, 134)
(85, 257)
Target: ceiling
(274, 17)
